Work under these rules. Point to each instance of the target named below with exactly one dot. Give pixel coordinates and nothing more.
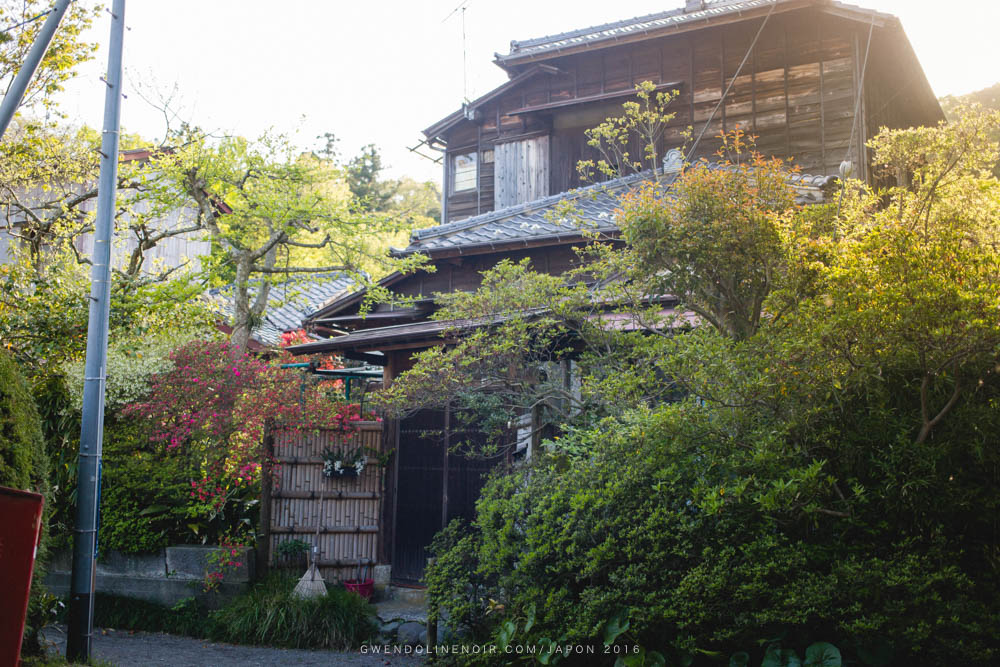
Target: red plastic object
(364, 587)
(20, 528)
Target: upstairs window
(463, 172)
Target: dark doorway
(420, 489)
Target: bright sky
(381, 71)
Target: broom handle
(319, 522)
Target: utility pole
(13, 98)
(88, 495)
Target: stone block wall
(166, 576)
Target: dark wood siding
(797, 92)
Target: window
(463, 172)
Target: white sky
(381, 71)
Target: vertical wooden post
(444, 465)
(264, 537)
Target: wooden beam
(590, 98)
(374, 359)
(328, 495)
(323, 530)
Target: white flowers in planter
(344, 464)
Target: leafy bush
(23, 462)
(148, 501)
(24, 465)
(270, 614)
(663, 520)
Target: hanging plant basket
(349, 463)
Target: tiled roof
(290, 302)
(651, 22)
(593, 209)
(593, 204)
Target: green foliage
(268, 614)
(630, 142)
(148, 501)
(290, 548)
(715, 238)
(832, 471)
(24, 464)
(271, 211)
(23, 461)
(65, 52)
(663, 519)
(363, 171)
(272, 615)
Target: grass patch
(188, 617)
(270, 615)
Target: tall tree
(271, 211)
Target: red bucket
(363, 587)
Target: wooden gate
(300, 499)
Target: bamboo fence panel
(347, 510)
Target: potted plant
(292, 553)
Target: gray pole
(12, 99)
(88, 495)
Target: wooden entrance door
(420, 490)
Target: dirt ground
(125, 649)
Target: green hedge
(24, 465)
(662, 524)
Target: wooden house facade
(814, 79)
(820, 79)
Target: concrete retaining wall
(166, 576)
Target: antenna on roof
(465, 68)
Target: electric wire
(27, 21)
(857, 111)
(725, 94)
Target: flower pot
(363, 587)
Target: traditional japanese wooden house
(814, 79)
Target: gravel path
(124, 649)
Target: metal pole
(81, 605)
(12, 100)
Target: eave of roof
(376, 338)
(671, 22)
(446, 123)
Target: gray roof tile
(290, 302)
(616, 30)
(594, 209)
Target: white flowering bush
(131, 365)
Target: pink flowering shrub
(212, 408)
(226, 558)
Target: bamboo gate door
(300, 500)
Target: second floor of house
(813, 80)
